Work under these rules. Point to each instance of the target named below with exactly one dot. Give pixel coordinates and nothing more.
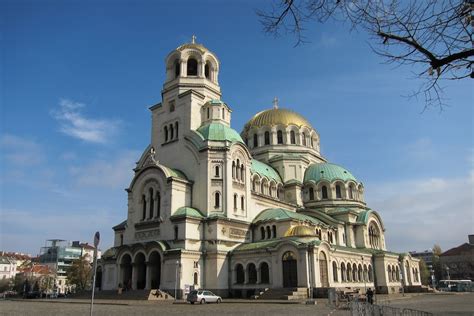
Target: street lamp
(176, 285)
(432, 276)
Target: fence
(365, 309)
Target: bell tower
(191, 82)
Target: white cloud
(21, 151)
(75, 124)
(419, 213)
(115, 172)
(421, 150)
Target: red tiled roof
(456, 251)
(37, 269)
(15, 255)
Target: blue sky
(78, 78)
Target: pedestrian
(370, 296)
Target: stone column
(134, 276)
(148, 276)
(259, 275)
(200, 70)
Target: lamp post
(432, 277)
(176, 285)
(401, 277)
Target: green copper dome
(327, 171)
(219, 132)
(264, 170)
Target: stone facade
(239, 213)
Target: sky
(78, 77)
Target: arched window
(262, 188)
(366, 274)
(349, 273)
(274, 231)
(255, 140)
(292, 137)
(374, 236)
(171, 132)
(237, 169)
(354, 273)
(254, 185)
(311, 194)
(208, 112)
(334, 271)
(233, 169)
(217, 170)
(235, 201)
(121, 239)
(195, 279)
(252, 273)
(166, 133)
(324, 192)
(172, 106)
(152, 202)
(303, 137)
(371, 277)
(264, 273)
(192, 67)
(217, 200)
(343, 272)
(239, 274)
(262, 232)
(207, 73)
(158, 204)
(351, 194)
(338, 191)
(176, 129)
(397, 273)
(267, 138)
(312, 142)
(269, 233)
(144, 206)
(280, 137)
(176, 233)
(242, 173)
(242, 203)
(177, 68)
(223, 114)
(359, 273)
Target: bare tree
(436, 35)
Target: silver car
(203, 297)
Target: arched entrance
(126, 267)
(323, 270)
(140, 270)
(290, 270)
(155, 269)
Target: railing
(366, 309)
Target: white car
(203, 297)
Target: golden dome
(300, 231)
(277, 116)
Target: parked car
(203, 297)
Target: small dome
(327, 171)
(300, 231)
(276, 117)
(219, 132)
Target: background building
(458, 262)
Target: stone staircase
(152, 295)
(300, 293)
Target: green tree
(438, 270)
(79, 274)
(425, 274)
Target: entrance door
(290, 270)
(323, 270)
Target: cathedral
(243, 214)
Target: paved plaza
(439, 304)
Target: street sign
(96, 239)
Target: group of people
(128, 287)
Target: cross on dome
(275, 103)
(193, 39)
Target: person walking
(370, 296)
